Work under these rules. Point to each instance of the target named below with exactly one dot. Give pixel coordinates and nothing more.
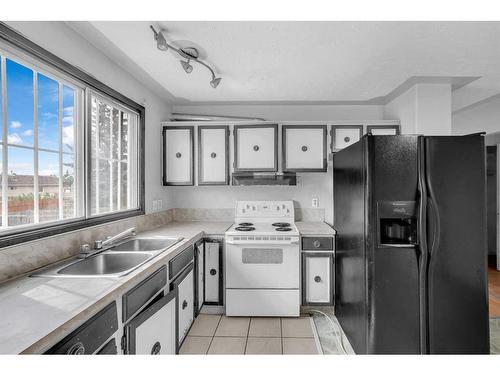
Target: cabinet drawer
(109, 348)
(317, 243)
(136, 297)
(317, 279)
(91, 335)
(180, 261)
(184, 284)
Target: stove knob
(316, 243)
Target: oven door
(262, 266)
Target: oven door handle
(266, 243)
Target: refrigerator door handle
(422, 241)
(436, 221)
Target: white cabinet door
(213, 167)
(153, 330)
(317, 278)
(255, 148)
(212, 276)
(304, 148)
(186, 304)
(178, 155)
(345, 135)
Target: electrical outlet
(315, 202)
(155, 205)
(159, 205)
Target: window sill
(11, 239)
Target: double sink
(118, 260)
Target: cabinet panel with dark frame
(213, 155)
(165, 161)
(347, 140)
(236, 160)
(304, 148)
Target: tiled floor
(218, 334)
(494, 291)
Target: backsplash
(21, 259)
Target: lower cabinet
(213, 273)
(183, 286)
(153, 330)
(317, 278)
(91, 335)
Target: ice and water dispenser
(397, 223)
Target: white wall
(65, 43)
(484, 117)
(289, 112)
(422, 109)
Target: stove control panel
(265, 209)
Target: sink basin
(146, 244)
(106, 264)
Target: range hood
(264, 178)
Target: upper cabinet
(256, 148)
(384, 129)
(213, 155)
(304, 148)
(345, 135)
(178, 155)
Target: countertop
(311, 228)
(37, 312)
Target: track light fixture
(189, 53)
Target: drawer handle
(316, 243)
(304, 148)
(76, 349)
(213, 155)
(156, 348)
(184, 304)
(256, 148)
(178, 155)
(317, 279)
(213, 272)
(347, 139)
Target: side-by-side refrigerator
(411, 269)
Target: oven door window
(251, 255)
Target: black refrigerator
(411, 254)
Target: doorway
(492, 184)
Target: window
(49, 175)
(38, 147)
(113, 144)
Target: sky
(20, 119)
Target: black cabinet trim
(174, 285)
(284, 128)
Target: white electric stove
(262, 260)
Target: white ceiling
(308, 62)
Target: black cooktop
(281, 225)
(283, 229)
(244, 229)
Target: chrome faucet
(100, 244)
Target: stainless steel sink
(146, 244)
(109, 264)
(116, 261)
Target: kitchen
(196, 201)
